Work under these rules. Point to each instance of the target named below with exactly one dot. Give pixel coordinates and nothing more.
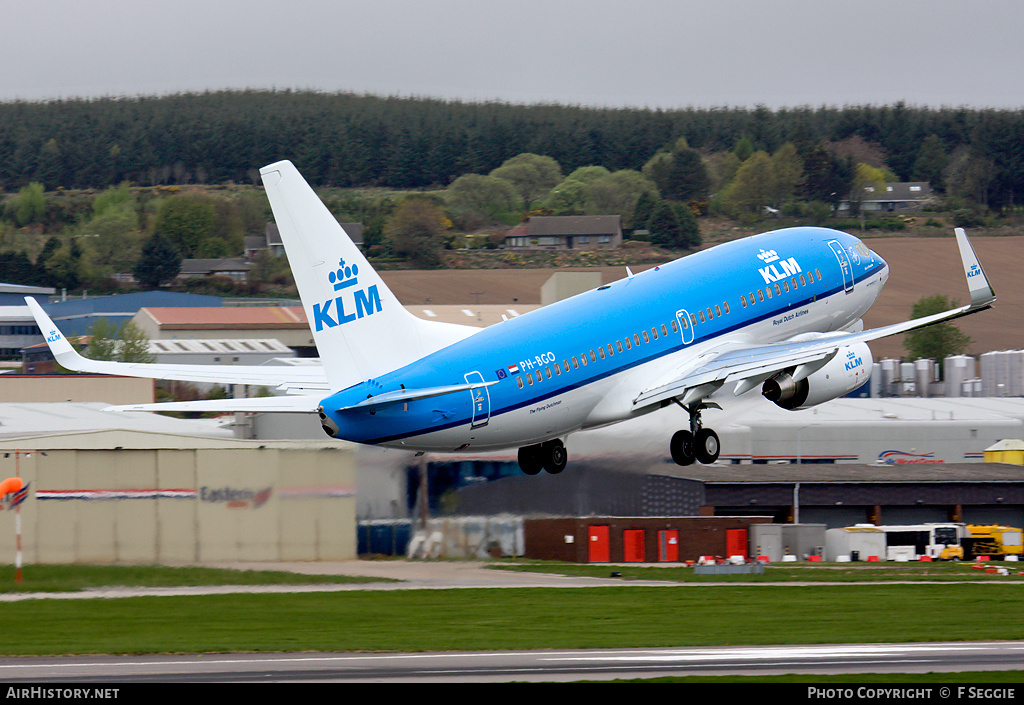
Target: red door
(598, 546)
(736, 542)
(633, 545)
(668, 545)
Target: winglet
(982, 294)
(63, 351)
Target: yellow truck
(993, 540)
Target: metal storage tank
(890, 377)
(924, 375)
(957, 369)
(908, 377)
(1015, 364)
(987, 362)
(995, 373)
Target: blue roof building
(75, 317)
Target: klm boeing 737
(780, 311)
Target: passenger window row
(627, 343)
(600, 353)
(767, 292)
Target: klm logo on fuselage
(853, 361)
(772, 273)
(342, 308)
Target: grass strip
(784, 572)
(68, 578)
(521, 618)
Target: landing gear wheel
(530, 460)
(554, 455)
(706, 446)
(682, 448)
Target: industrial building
(833, 495)
(138, 497)
(116, 487)
(17, 326)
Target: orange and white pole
(8, 491)
(17, 522)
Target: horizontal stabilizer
(291, 404)
(292, 379)
(403, 396)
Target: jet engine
(800, 388)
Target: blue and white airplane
(781, 311)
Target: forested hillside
(350, 140)
(95, 190)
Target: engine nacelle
(848, 370)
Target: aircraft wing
(294, 380)
(750, 365)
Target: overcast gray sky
(641, 53)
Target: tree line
(347, 140)
(100, 187)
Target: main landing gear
(550, 456)
(699, 443)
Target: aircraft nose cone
(885, 266)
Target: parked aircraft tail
(359, 327)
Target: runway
(507, 666)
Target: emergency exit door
(598, 546)
(736, 542)
(633, 546)
(668, 545)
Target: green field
(843, 573)
(69, 578)
(687, 614)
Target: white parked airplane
(781, 310)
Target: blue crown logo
(344, 277)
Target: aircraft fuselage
(579, 363)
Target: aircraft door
(685, 327)
(844, 265)
(481, 400)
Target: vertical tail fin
(359, 327)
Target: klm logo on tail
(360, 303)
